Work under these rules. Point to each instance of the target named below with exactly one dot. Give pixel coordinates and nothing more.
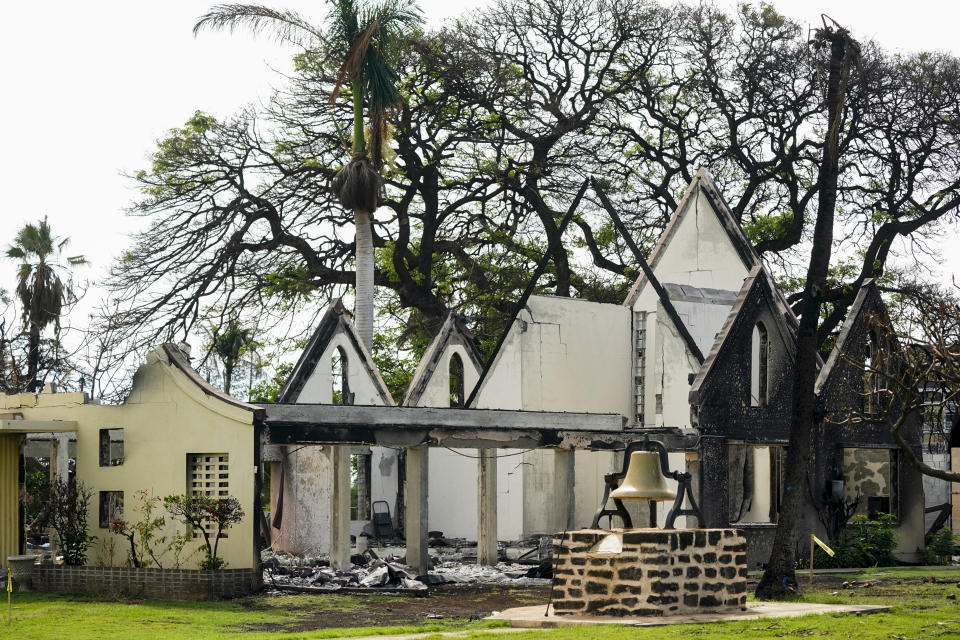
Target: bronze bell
(644, 479)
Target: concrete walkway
(525, 618)
(440, 634)
(533, 618)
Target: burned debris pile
(452, 562)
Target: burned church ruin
(699, 356)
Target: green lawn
(920, 610)
(80, 617)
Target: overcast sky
(88, 88)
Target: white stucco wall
(576, 356)
(669, 369)
(437, 390)
(309, 471)
(319, 386)
(453, 474)
(704, 321)
(563, 354)
(454, 491)
(502, 388)
(698, 251)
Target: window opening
(208, 474)
(755, 478)
(870, 479)
(340, 377)
(456, 381)
(111, 508)
(111, 447)
(759, 358)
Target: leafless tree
(910, 371)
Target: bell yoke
(644, 477)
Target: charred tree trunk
(227, 376)
(33, 357)
(779, 579)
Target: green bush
(198, 511)
(865, 543)
(67, 505)
(940, 546)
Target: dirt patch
(455, 604)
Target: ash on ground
(524, 563)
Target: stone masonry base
(161, 584)
(649, 572)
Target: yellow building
(174, 434)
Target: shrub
(940, 546)
(141, 535)
(866, 543)
(66, 506)
(198, 511)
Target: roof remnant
(335, 320)
(453, 331)
(702, 183)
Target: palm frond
(354, 61)
(382, 80)
(375, 33)
(33, 239)
(343, 24)
(286, 26)
(399, 18)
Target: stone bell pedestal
(649, 572)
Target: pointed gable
(702, 244)
(852, 341)
(725, 374)
(311, 382)
(433, 370)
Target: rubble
(452, 562)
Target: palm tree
(230, 343)
(366, 39)
(42, 293)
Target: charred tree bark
(33, 357)
(779, 579)
(227, 377)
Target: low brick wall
(649, 572)
(161, 584)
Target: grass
(80, 617)
(919, 610)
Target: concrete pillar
(340, 508)
(59, 458)
(487, 506)
(363, 484)
(308, 482)
(563, 489)
(693, 468)
(415, 515)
